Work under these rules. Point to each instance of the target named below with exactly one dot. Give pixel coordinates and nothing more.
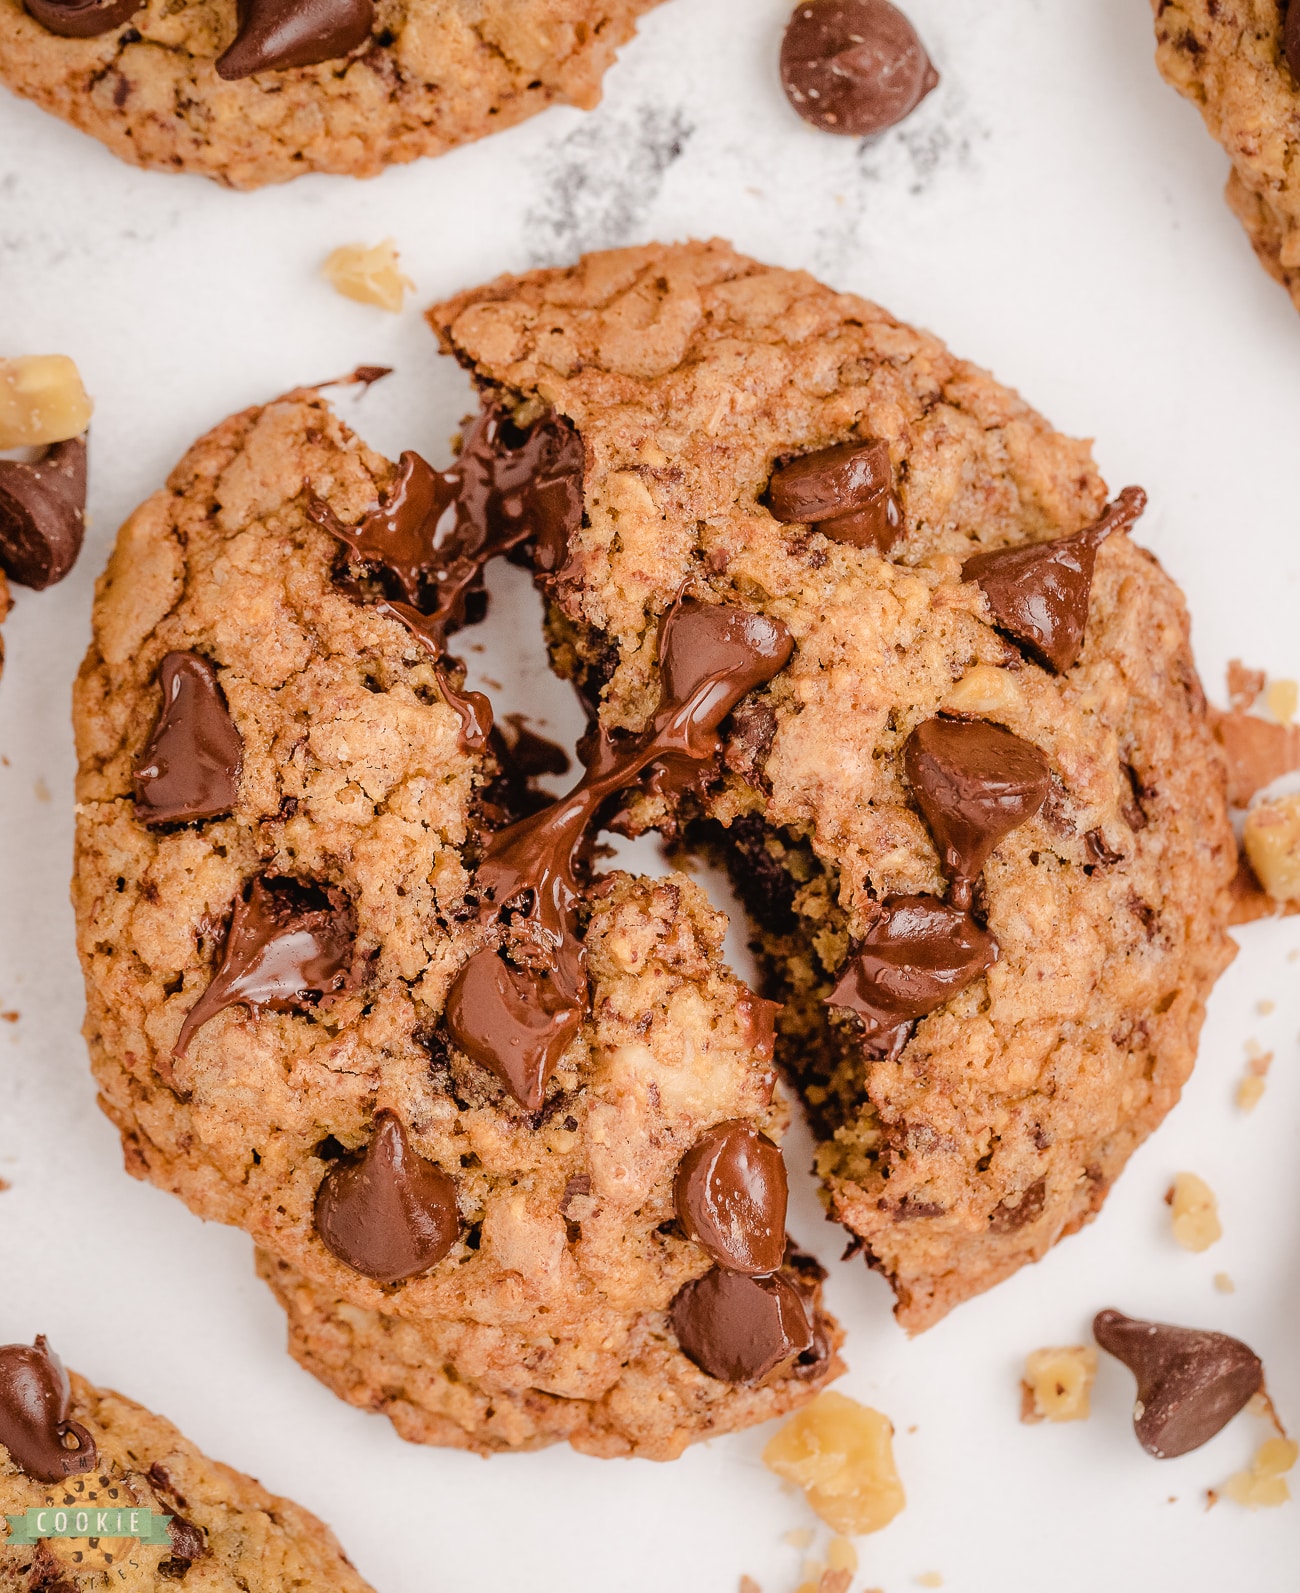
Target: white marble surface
(1054, 212)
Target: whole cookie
(1238, 61)
(316, 1011)
(270, 89)
(979, 818)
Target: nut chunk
(1196, 1213)
(841, 1454)
(1272, 841)
(1057, 1384)
(370, 276)
(1264, 1485)
(42, 401)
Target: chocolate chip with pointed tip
(189, 768)
(854, 66)
(82, 19)
(730, 1193)
(1190, 1383)
(1039, 595)
(275, 35)
(35, 1397)
(510, 1021)
(974, 783)
(390, 1213)
(43, 514)
(740, 1329)
(845, 491)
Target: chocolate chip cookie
(1239, 62)
(977, 816)
(264, 91)
(73, 1448)
(354, 986)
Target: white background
(1054, 212)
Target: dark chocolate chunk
(730, 1195)
(1019, 1210)
(854, 66)
(82, 19)
(917, 954)
(276, 34)
(189, 1543)
(289, 944)
(390, 1213)
(846, 492)
(740, 1329)
(974, 783)
(512, 1021)
(1039, 594)
(1190, 1383)
(43, 514)
(190, 766)
(1291, 38)
(35, 1397)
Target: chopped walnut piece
(1272, 842)
(841, 1555)
(984, 690)
(1280, 700)
(1058, 1383)
(369, 275)
(799, 1537)
(1257, 751)
(1250, 1092)
(1195, 1212)
(1224, 1284)
(841, 1454)
(1264, 1485)
(42, 401)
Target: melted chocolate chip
(846, 492)
(854, 66)
(1190, 1383)
(43, 514)
(1039, 595)
(190, 766)
(81, 19)
(35, 1397)
(189, 1543)
(289, 944)
(389, 1214)
(1291, 38)
(740, 1329)
(512, 1021)
(730, 1194)
(974, 783)
(917, 954)
(277, 34)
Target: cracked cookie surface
(691, 373)
(434, 74)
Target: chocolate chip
(276, 34)
(289, 944)
(1019, 1210)
(917, 954)
(189, 1542)
(854, 66)
(740, 1329)
(43, 514)
(730, 1195)
(82, 19)
(1291, 38)
(389, 1214)
(35, 1397)
(1190, 1383)
(1099, 852)
(1040, 594)
(974, 783)
(846, 492)
(511, 1021)
(190, 766)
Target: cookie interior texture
(548, 1317)
(690, 373)
(434, 74)
(1227, 57)
(252, 1541)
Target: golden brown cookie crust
(1226, 57)
(436, 73)
(255, 1541)
(689, 371)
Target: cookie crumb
(1057, 1384)
(1250, 1092)
(1244, 685)
(1272, 841)
(368, 275)
(841, 1555)
(929, 1579)
(798, 1537)
(1280, 698)
(9, 1017)
(42, 401)
(41, 790)
(4, 1184)
(1196, 1222)
(748, 1585)
(1265, 1006)
(1264, 1486)
(841, 1454)
(1224, 1284)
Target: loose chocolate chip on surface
(854, 66)
(731, 1194)
(739, 1329)
(917, 954)
(190, 766)
(389, 1214)
(82, 19)
(846, 492)
(276, 34)
(43, 514)
(1190, 1383)
(1040, 594)
(35, 1396)
(974, 783)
